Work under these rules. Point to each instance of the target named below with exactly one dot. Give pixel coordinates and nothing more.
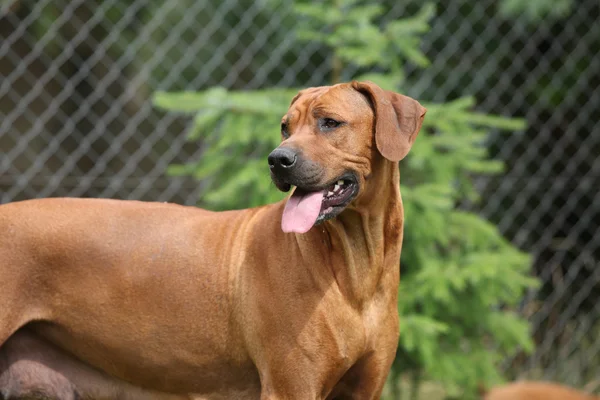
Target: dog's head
(332, 136)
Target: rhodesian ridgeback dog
(108, 299)
(536, 391)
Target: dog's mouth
(308, 207)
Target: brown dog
(536, 391)
(106, 299)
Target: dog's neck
(368, 235)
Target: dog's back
(536, 391)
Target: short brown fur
(536, 391)
(133, 300)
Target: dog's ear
(398, 119)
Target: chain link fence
(77, 119)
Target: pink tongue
(301, 211)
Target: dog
(536, 391)
(110, 299)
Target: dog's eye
(284, 130)
(328, 123)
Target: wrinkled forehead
(341, 100)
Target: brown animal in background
(536, 391)
(107, 299)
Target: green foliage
(536, 10)
(237, 132)
(461, 280)
(347, 28)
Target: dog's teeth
(340, 182)
(336, 187)
(329, 193)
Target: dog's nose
(282, 157)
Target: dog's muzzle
(314, 200)
(290, 168)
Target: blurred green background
(181, 101)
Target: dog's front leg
(294, 377)
(365, 380)
(291, 389)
